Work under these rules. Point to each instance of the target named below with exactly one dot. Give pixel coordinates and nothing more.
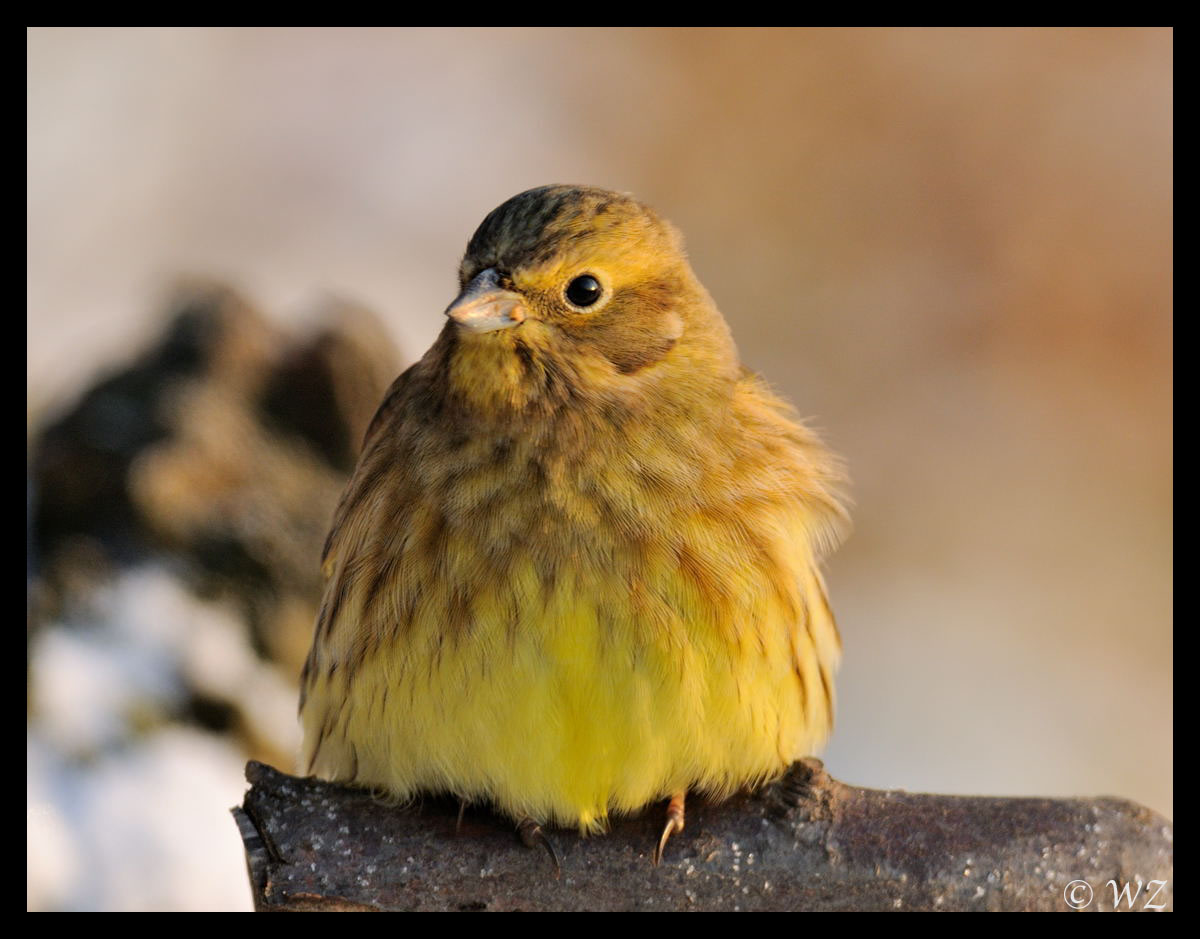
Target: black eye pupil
(584, 290)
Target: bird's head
(580, 291)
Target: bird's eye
(584, 290)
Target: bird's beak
(485, 306)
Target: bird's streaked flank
(577, 568)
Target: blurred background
(951, 248)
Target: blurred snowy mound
(176, 519)
(127, 808)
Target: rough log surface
(807, 842)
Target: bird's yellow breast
(568, 639)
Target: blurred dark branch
(807, 842)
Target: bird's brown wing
(816, 478)
(349, 528)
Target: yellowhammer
(577, 568)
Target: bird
(578, 568)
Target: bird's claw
(674, 824)
(532, 836)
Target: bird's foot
(674, 824)
(532, 835)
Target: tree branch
(807, 842)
